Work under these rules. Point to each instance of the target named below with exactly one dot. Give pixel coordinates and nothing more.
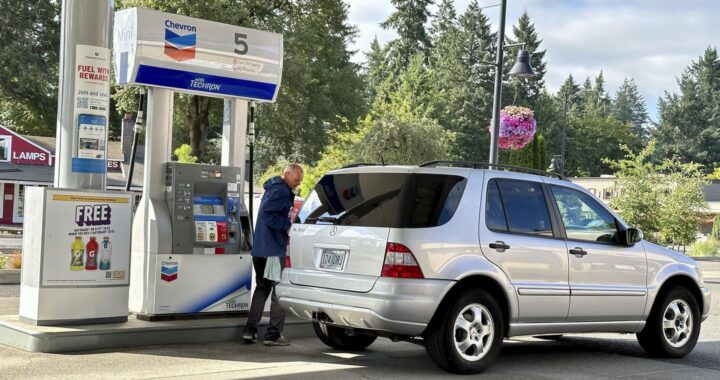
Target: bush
(15, 261)
(3, 262)
(709, 247)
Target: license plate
(333, 259)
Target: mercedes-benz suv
(456, 257)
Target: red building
(30, 160)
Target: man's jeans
(263, 289)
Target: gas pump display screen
(208, 208)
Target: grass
(709, 247)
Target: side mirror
(630, 236)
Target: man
(271, 239)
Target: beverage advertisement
(88, 238)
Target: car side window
(583, 217)
(517, 206)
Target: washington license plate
(333, 259)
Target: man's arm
(275, 212)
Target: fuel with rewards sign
(90, 238)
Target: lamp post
(521, 69)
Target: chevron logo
(180, 48)
(169, 273)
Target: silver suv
(457, 258)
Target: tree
(628, 106)
(689, 124)
(401, 138)
(29, 47)
(664, 200)
(319, 81)
(533, 156)
(715, 233)
(525, 92)
(408, 20)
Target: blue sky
(651, 41)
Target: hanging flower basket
(517, 127)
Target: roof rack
(480, 165)
(358, 164)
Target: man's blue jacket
(273, 221)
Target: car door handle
(577, 251)
(500, 246)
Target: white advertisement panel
(197, 56)
(92, 108)
(87, 238)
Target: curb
(9, 276)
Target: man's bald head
(293, 175)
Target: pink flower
(517, 127)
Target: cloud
(649, 40)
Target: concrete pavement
(579, 356)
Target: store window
(5, 142)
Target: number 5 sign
(197, 56)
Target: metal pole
(251, 141)
(563, 136)
(86, 28)
(497, 97)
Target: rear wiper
(327, 219)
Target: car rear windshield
(398, 200)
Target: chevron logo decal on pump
(169, 271)
(180, 47)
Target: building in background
(30, 161)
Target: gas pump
(192, 232)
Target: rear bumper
(399, 306)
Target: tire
(338, 337)
(679, 311)
(481, 333)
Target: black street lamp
(521, 69)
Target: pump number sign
(207, 58)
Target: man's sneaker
(249, 338)
(280, 341)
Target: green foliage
(709, 247)
(629, 107)
(533, 156)
(184, 154)
(29, 47)
(715, 232)
(4, 262)
(714, 175)
(689, 125)
(525, 92)
(401, 138)
(664, 200)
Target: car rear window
(398, 200)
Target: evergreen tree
(408, 21)
(470, 88)
(29, 47)
(374, 68)
(689, 124)
(526, 91)
(629, 107)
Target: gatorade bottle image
(91, 250)
(77, 252)
(105, 253)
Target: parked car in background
(457, 257)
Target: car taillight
(400, 262)
(288, 263)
